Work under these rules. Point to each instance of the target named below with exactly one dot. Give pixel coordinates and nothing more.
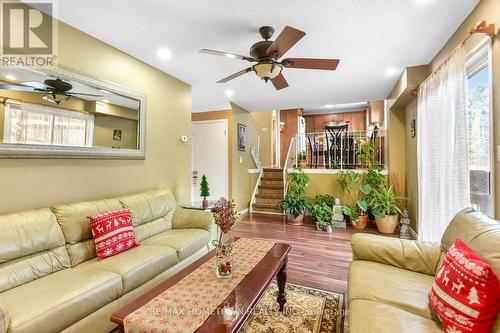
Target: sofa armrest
(194, 219)
(421, 257)
(4, 319)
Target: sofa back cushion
(75, 225)
(152, 211)
(32, 245)
(480, 232)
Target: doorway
(210, 158)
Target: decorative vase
(387, 224)
(204, 203)
(224, 266)
(360, 223)
(296, 220)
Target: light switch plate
(498, 153)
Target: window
(37, 124)
(480, 130)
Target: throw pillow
(113, 232)
(466, 292)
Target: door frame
(226, 151)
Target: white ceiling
(368, 36)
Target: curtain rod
(481, 27)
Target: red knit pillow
(466, 292)
(113, 232)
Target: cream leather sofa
(390, 278)
(51, 281)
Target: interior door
(210, 158)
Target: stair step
(271, 187)
(267, 201)
(262, 209)
(269, 195)
(273, 170)
(264, 205)
(272, 183)
(272, 178)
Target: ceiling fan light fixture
(55, 98)
(267, 70)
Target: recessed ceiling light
(328, 106)
(164, 53)
(391, 71)
(229, 92)
(10, 77)
(104, 91)
(105, 101)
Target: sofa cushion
(466, 291)
(113, 232)
(31, 246)
(58, 300)
(367, 316)
(135, 266)
(400, 288)
(184, 241)
(75, 224)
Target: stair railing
(289, 161)
(255, 190)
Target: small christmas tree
(204, 190)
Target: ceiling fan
(55, 90)
(267, 53)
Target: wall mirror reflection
(62, 114)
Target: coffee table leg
(281, 279)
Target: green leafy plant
(326, 199)
(294, 204)
(384, 201)
(298, 181)
(374, 178)
(365, 152)
(351, 211)
(204, 189)
(322, 213)
(347, 182)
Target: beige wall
(263, 124)
(40, 183)
(488, 10)
(411, 164)
(104, 128)
(243, 182)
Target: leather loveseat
(51, 280)
(390, 278)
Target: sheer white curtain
(442, 147)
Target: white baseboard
(243, 212)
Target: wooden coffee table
(245, 296)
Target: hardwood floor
(317, 259)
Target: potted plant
(295, 203)
(356, 208)
(204, 191)
(322, 214)
(301, 159)
(385, 205)
(294, 206)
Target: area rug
(307, 310)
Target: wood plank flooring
(317, 259)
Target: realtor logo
(28, 33)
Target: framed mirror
(57, 113)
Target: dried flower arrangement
(224, 214)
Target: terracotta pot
(387, 224)
(360, 223)
(296, 220)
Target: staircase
(269, 192)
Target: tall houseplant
(295, 203)
(322, 211)
(354, 194)
(386, 208)
(204, 191)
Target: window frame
(479, 58)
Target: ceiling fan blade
(18, 88)
(279, 82)
(311, 63)
(227, 54)
(36, 84)
(82, 94)
(286, 39)
(235, 75)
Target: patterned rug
(307, 310)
